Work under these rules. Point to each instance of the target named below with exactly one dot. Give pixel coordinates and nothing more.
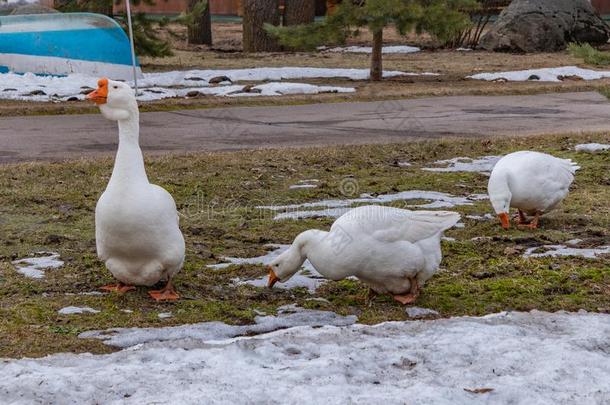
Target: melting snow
(155, 86)
(307, 277)
(165, 315)
(288, 316)
(536, 358)
(544, 75)
(77, 310)
(368, 49)
(592, 147)
(418, 312)
(483, 164)
(485, 217)
(561, 250)
(305, 184)
(34, 267)
(335, 208)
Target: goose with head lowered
(136, 223)
(395, 251)
(532, 182)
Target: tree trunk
(298, 12)
(256, 14)
(201, 30)
(376, 62)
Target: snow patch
(419, 313)
(307, 277)
(534, 358)
(483, 164)
(156, 86)
(561, 250)
(335, 208)
(485, 217)
(592, 147)
(544, 75)
(288, 316)
(165, 315)
(385, 50)
(34, 267)
(305, 184)
(77, 310)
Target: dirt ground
(452, 67)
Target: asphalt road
(74, 136)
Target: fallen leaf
(478, 390)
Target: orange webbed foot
(409, 298)
(406, 299)
(167, 293)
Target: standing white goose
(392, 250)
(136, 223)
(532, 182)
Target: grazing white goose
(392, 250)
(532, 182)
(136, 223)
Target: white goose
(392, 250)
(136, 223)
(532, 182)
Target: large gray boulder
(545, 26)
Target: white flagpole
(133, 50)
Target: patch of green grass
(589, 55)
(50, 206)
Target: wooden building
(217, 7)
(602, 6)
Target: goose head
(500, 197)
(286, 265)
(116, 100)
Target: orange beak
(100, 95)
(505, 220)
(272, 278)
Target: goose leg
(534, 223)
(167, 293)
(412, 295)
(521, 218)
(120, 288)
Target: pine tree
(444, 19)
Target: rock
(545, 26)
(193, 93)
(250, 89)
(37, 93)
(72, 98)
(219, 79)
(86, 90)
(421, 313)
(9, 89)
(534, 77)
(195, 79)
(573, 78)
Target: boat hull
(64, 44)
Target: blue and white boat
(64, 44)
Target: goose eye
(277, 265)
(115, 87)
